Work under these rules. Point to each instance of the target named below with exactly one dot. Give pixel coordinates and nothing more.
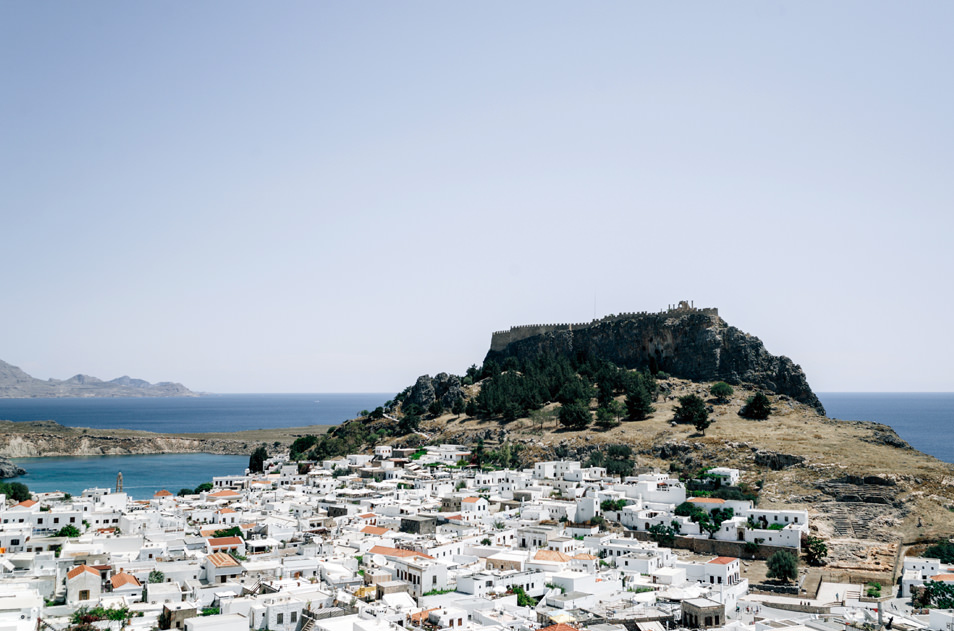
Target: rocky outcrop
(776, 461)
(442, 386)
(10, 470)
(688, 344)
(16, 384)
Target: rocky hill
(16, 384)
(869, 493)
(682, 341)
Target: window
(56, 520)
(294, 616)
(84, 594)
(281, 618)
(72, 520)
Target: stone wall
(500, 339)
(715, 547)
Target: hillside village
(417, 538)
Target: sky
(339, 197)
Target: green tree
(68, 530)
(692, 409)
(639, 403)
(184, 492)
(409, 423)
(575, 415)
(234, 531)
(605, 417)
(256, 462)
(16, 491)
(458, 407)
(782, 565)
(815, 551)
(756, 407)
(721, 391)
(299, 448)
(436, 408)
(940, 595)
(205, 486)
(156, 577)
(664, 535)
(479, 452)
(943, 551)
(617, 409)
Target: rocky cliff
(9, 470)
(686, 343)
(17, 384)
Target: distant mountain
(16, 384)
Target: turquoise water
(142, 475)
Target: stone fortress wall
(501, 339)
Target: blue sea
(208, 413)
(923, 419)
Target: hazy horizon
(303, 197)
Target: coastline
(39, 439)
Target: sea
(144, 475)
(922, 419)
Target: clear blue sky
(340, 196)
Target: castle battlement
(500, 339)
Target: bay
(923, 419)
(207, 413)
(143, 475)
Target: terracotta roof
(224, 493)
(220, 559)
(559, 627)
(122, 579)
(225, 541)
(723, 560)
(79, 569)
(226, 511)
(162, 493)
(551, 555)
(421, 616)
(26, 504)
(470, 500)
(943, 577)
(706, 500)
(449, 517)
(374, 530)
(584, 557)
(366, 515)
(397, 552)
